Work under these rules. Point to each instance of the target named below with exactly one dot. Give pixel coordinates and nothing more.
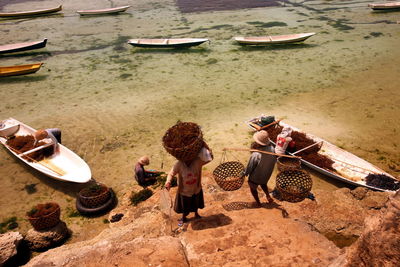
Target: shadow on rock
(212, 221)
(240, 205)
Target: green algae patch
(267, 24)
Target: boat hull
(107, 11)
(31, 13)
(345, 172)
(277, 39)
(166, 43)
(385, 6)
(19, 69)
(64, 166)
(12, 48)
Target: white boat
(167, 43)
(274, 39)
(347, 167)
(31, 12)
(385, 6)
(64, 165)
(105, 11)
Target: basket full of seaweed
(293, 185)
(229, 175)
(94, 195)
(44, 216)
(184, 140)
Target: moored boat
(19, 69)
(64, 165)
(274, 39)
(385, 6)
(346, 166)
(103, 11)
(32, 12)
(167, 43)
(18, 47)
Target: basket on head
(293, 185)
(184, 140)
(285, 163)
(228, 175)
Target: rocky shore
(232, 232)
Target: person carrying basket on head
(260, 165)
(189, 197)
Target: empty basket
(229, 175)
(293, 185)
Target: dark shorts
(186, 205)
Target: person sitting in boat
(284, 140)
(142, 176)
(51, 135)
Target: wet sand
(114, 102)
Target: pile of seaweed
(24, 143)
(181, 135)
(382, 181)
(301, 141)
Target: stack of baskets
(184, 141)
(229, 175)
(293, 183)
(95, 199)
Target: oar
(264, 152)
(38, 162)
(298, 151)
(35, 149)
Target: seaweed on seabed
(140, 196)
(382, 181)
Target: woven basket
(293, 185)
(174, 141)
(285, 163)
(228, 175)
(97, 200)
(47, 221)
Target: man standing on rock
(260, 166)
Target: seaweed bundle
(382, 181)
(24, 143)
(301, 140)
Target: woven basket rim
(96, 196)
(58, 209)
(199, 136)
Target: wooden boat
(12, 48)
(385, 6)
(64, 165)
(19, 69)
(347, 167)
(32, 12)
(167, 43)
(274, 39)
(103, 11)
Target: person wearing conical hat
(260, 165)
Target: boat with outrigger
(329, 159)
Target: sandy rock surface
(9, 243)
(231, 232)
(379, 244)
(44, 239)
